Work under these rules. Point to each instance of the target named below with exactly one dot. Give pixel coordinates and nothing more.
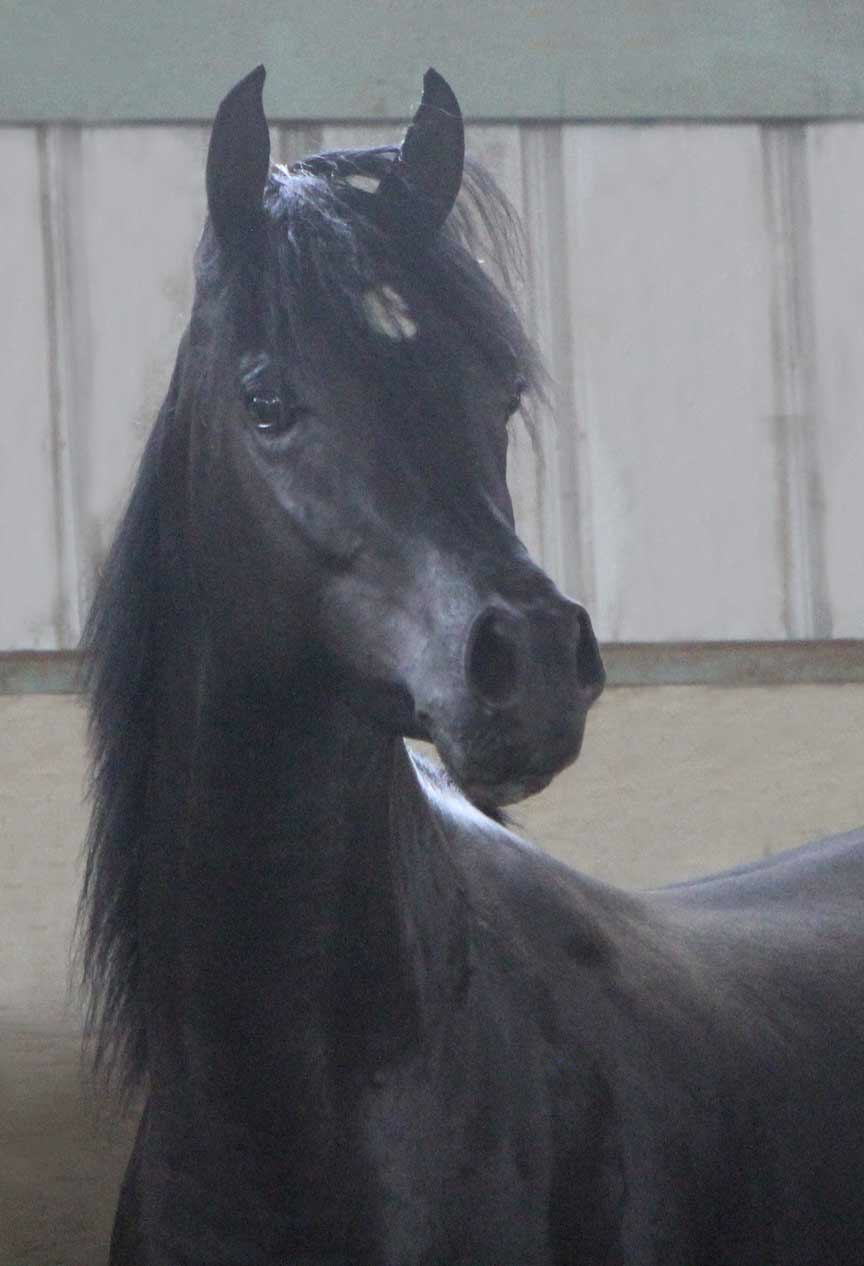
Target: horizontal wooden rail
(620, 59)
(627, 664)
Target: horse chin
(486, 795)
(502, 778)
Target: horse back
(717, 1027)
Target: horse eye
(266, 410)
(271, 415)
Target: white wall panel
(836, 172)
(565, 522)
(697, 292)
(140, 211)
(671, 356)
(501, 149)
(290, 143)
(360, 135)
(32, 609)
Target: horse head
(349, 373)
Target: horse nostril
(492, 657)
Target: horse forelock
(336, 271)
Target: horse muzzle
(515, 714)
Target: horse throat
(301, 927)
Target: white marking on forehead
(388, 313)
(369, 183)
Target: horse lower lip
(510, 790)
(498, 775)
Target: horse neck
(299, 899)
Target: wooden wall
(698, 290)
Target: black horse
(370, 1025)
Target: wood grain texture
(32, 609)
(696, 291)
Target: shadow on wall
(61, 1161)
(61, 1158)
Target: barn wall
(697, 290)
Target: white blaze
(388, 313)
(369, 183)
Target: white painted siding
(136, 212)
(31, 612)
(698, 291)
(671, 353)
(836, 163)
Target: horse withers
(368, 1024)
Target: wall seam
(67, 615)
(797, 405)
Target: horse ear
(238, 162)
(421, 187)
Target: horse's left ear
(238, 162)
(421, 187)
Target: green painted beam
(135, 60)
(788, 663)
(627, 664)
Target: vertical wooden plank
(291, 142)
(143, 207)
(360, 135)
(796, 410)
(32, 613)
(835, 158)
(69, 353)
(671, 340)
(499, 147)
(563, 475)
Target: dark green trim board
(136, 60)
(788, 663)
(40, 673)
(627, 664)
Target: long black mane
(324, 251)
